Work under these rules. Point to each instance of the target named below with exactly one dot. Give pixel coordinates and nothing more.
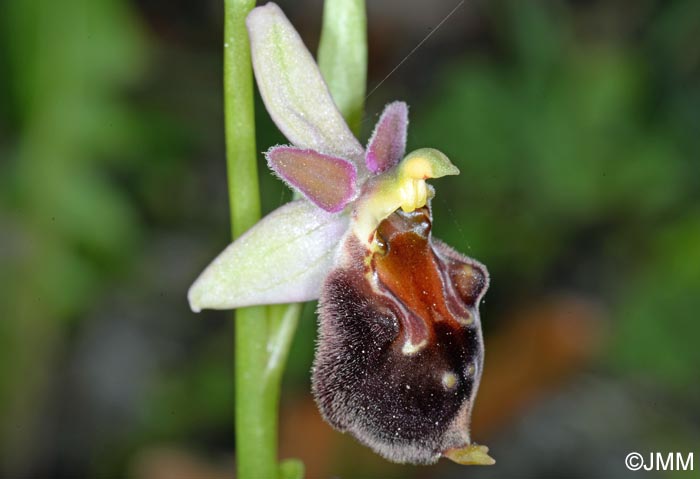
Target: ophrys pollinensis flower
(400, 350)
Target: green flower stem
(282, 324)
(256, 412)
(241, 155)
(255, 409)
(262, 334)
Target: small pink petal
(387, 145)
(327, 181)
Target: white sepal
(284, 258)
(293, 89)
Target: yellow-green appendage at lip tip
(471, 455)
(403, 187)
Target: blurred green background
(576, 125)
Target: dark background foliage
(574, 123)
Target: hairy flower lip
(418, 371)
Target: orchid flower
(400, 350)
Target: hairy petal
(282, 259)
(293, 89)
(327, 181)
(387, 145)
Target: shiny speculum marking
(400, 351)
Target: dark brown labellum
(400, 351)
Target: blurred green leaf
(68, 65)
(657, 327)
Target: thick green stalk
(241, 155)
(342, 56)
(255, 413)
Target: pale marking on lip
(471, 369)
(410, 349)
(449, 379)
